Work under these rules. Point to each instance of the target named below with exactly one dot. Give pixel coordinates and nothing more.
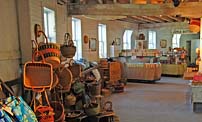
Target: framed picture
(139, 44)
(117, 41)
(92, 44)
(163, 43)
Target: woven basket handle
(46, 39)
(66, 38)
(38, 53)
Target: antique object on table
(141, 36)
(92, 110)
(108, 106)
(118, 88)
(73, 114)
(94, 88)
(68, 49)
(70, 100)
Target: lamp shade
(194, 25)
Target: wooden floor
(168, 100)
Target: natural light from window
(127, 39)
(102, 35)
(76, 37)
(152, 40)
(176, 40)
(49, 24)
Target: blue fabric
(20, 109)
(4, 116)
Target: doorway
(188, 47)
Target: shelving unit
(111, 72)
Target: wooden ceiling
(152, 19)
(144, 13)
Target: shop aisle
(168, 100)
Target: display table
(173, 69)
(143, 71)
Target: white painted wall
(9, 47)
(115, 29)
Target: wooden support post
(200, 64)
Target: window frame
(51, 35)
(127, 39)
(152, 40)
(102, 36)
(76, 37)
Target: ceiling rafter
(161, 18)
(141, 19)
(155, 20)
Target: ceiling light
(176, 3)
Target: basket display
(58, 110)
(68, 50)
(38, 74)
(51, 53)
(65, 78)
(76, 70)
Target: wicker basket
(68, 50)
(38, 74)
(58, 110)
(92, 110)
(65, 78)
(76, 70)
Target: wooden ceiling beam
(152, 19)
(185, 9)
(175, 18)
(142, 19)
(161, 18)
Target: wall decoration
(139, 44)
(117, 41)
(85, 38)
(145, 44)
(163, 43)
(92, 44)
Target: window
(76, 37)
(176, 40)
(152, 40)
(49, 24)
(102, 35)
(127, 39)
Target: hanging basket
(68, 49)
(194, 25)
(38, 74)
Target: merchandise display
(59, 90)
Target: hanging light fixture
(194, 25)
(176, 3)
